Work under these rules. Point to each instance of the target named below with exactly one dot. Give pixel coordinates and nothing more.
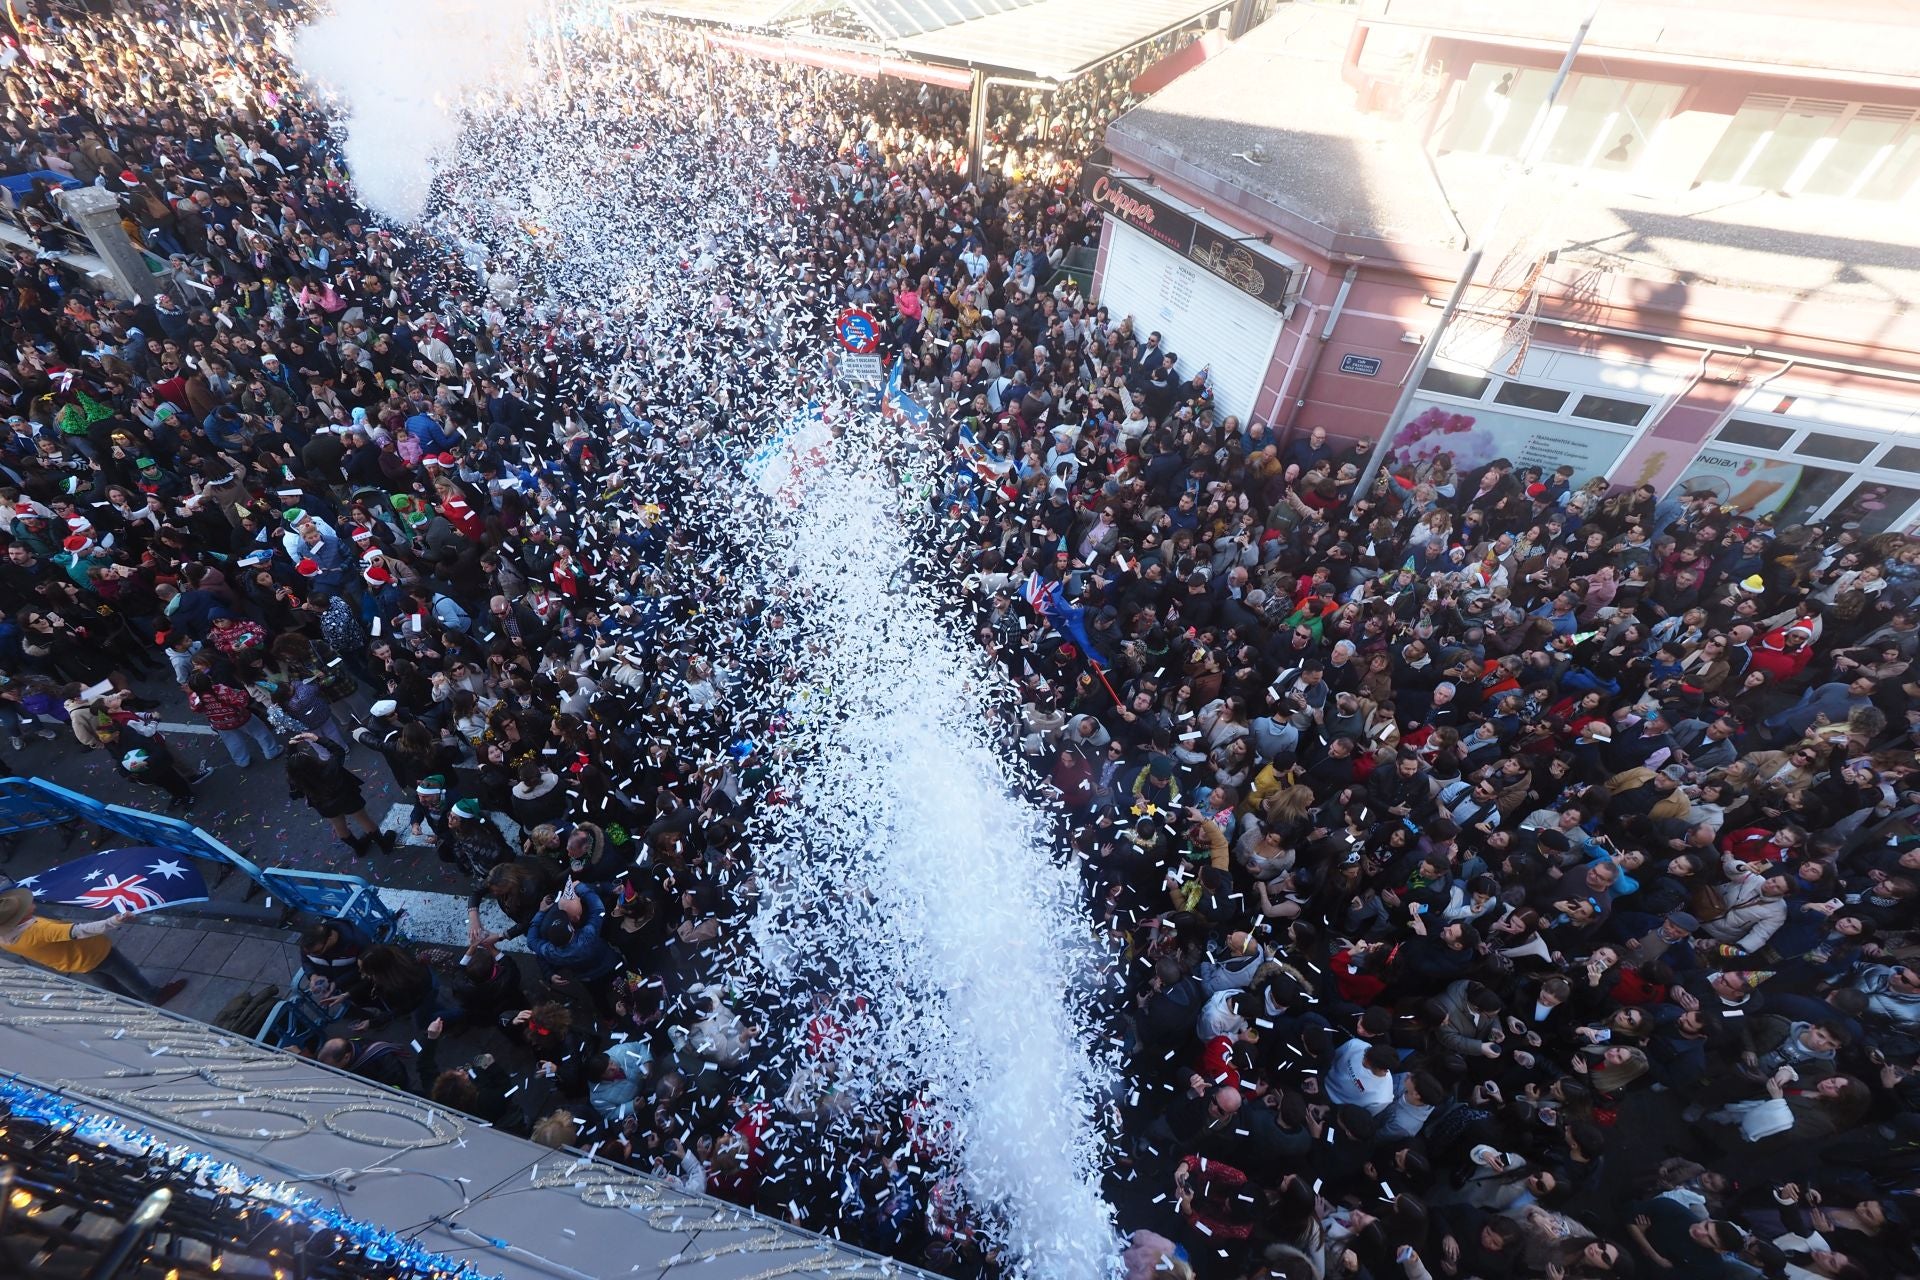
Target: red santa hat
(78, 545)
(376, 576)
(308, 567)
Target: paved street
(249, 810)
(219, 960)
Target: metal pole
(1529, 148)
(977, 126)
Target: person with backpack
(230, 712)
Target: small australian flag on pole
(124, 881)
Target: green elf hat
(413, 512)
(433, 784)
(468, 808)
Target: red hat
(77, 544)
(1536, 490)
(376, 575)
(362, 534)
(307, 567)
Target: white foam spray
(907, 866)
(904, 869)
(403, 71)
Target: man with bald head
(1201, 1121)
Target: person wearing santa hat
(317, 546)
(80, 557)
(1784, 652)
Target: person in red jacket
(455, 507)
(1760, 844)
(1784, 652)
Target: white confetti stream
(405, 71)
(945, 909)
(903, 873)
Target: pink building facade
(1707, 280)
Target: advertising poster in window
(1476, 435)
(1794, 491)
(1751, 486)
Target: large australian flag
(124, 881)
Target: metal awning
(1056, 40)
(1043, 40)
(855, 62)
(897, 19)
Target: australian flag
(124, 881)
(1049, 600)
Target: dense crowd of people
(1512, 878)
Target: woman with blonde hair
(1437, 527)
(1619, 1066)
(558, 1130)
(1288, 813)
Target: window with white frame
(1563, 401)
(1598, 122)
(1818, 147)
(1803, 472)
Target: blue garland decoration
(375, 1244)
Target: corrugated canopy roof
(1042, 39)
(1056, 39)
(897, 19)
(723, 13)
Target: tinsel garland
(398, 1257)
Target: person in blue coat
(565, 938)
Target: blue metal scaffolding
(31, 804)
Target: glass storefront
(1780, 464)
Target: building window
(1788, 144)
(1893, 177)
(1496, 106)
(1834, 448)
(1524, 395)
(1902, 457)
(1608, 124)
(1468, 386)
(1758, 435)
(1625, 413)
(1597, 121)
(1861, 146)
(1817, 147)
